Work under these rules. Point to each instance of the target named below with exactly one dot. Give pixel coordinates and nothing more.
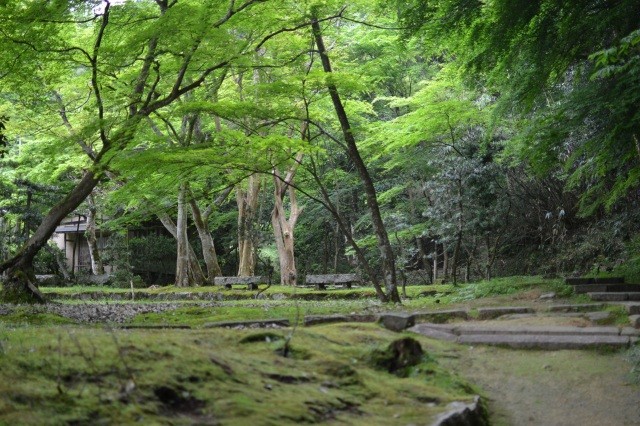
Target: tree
(126, 85)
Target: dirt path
(551, 387)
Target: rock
(440, 316)
(399, 355)
(635, 320)
(490, 313)
(463, 414)
(49, 280)
(547, 296)
(278, 296)
(396, 322)
(598, 317)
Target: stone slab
(598, 288)
(536, 341)
(473, 329)
(633, 296)
(634, 320)
(608, 297)
(440, 316)
(424, 330)
(599, 316)
(329, 319)
(396, 321)
(581, 307)
(633, 308)
(249, 324)
(490, 313)
(629, 331)
(599, 280)
(228, 281)
(155, 326)
(332, 279)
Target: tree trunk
(97, 268)
(435, 261)
(386, 251)
(283, 227)
(194, 265)
(184, 277)
(19, 285)
(247, 207)
(208, 247)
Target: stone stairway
(531, 337)
(523, 327)
(609, 289)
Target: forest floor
(95, 357)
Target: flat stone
(547, 296)
(608, 297)
(554, 342)
(599, 280)
(599, 316)
(633, 296)
(490, 313)
(396, 322)
(516, 316)
(425, 330)
(629, 331)
(581, 307)
(634, 320)
(248, 324)
(324, 319)
(633, 308)
(476, 329)
(155, 326)
(440, 316)
(605, 288)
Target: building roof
(71, 227)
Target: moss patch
(80, 375)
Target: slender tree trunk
(97, 268)
(435, 260)
(386, 251)
(247, 208)
(208, 247)
(456, 250)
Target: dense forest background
(406, 140)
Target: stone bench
(320, 281)
(250, 282)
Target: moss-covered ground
(55, 370)
(92, 375)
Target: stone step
(614, 297)
(547, 342)
(605, 288)
(599, 280)
(547, 338)
(475, 329)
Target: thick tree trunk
(283, 227)
(386, 251)
(208, 247)
(184, 277)
(247, 208)
(97, 268)
(194, 265)
(19, 285)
